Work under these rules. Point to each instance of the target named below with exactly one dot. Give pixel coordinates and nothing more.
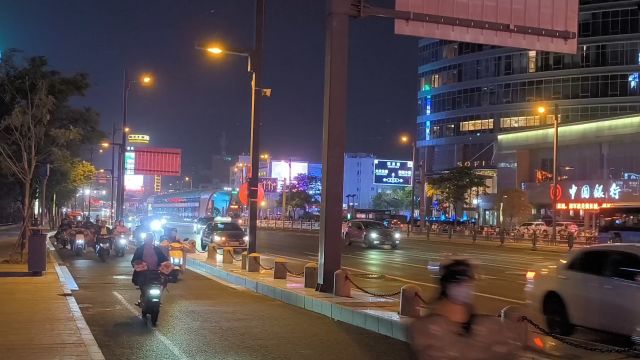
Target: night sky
(196, 97)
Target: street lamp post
(254, 67)
(405, 139)
(145, 80)
(554, 192)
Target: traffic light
(157, 182)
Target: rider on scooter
(149, 254)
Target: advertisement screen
(134, 182)
(280, 170)
(157, 161)
(392, 172)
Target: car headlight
(123, 241)
(396, 235)
(154, 291)
(156, 225)
(374, 235)
(143, 235)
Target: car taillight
(531, 275)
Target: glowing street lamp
(405, 139)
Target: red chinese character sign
(549, 25)
(555, 193)
(243, 194)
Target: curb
(85, 332)
(366, 319)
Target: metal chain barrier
(422, 299)
(370, 276)
(262, 267)
(579, 345)
(371, 292)
(235, 258)
(294, 274)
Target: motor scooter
(103, 247)
(121, 244)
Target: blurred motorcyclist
(104, 232)
(454, 331)
(120, 228)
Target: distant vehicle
(223, 234)
(596, 287)
(200, 223)
(619, 225)
(539, 226)
(566, 226)
(371, 234)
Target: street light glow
(404, 139)
(541, 109)
(104, 145)
(127, 129)
(215, 50)
(146, 79)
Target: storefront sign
(613, 191)
(582, 206)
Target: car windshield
(375, 225)
(204, 221)
(226, 227)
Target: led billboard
(392, 172)
(280, 170)
(157, 161)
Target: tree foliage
(397, 199)
(515, 205)
(452, 186)
(38, 126)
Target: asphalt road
(501, 271)
(203, 319)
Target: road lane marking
(410, 281)
(157, 333)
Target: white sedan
(597, 287)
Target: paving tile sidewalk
(40, 317)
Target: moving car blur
(371, 234)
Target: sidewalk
(40, 317)
(378, 314)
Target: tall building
(471, 94)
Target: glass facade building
(469, 93)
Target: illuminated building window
(476, 125)
(525, 121)
(532, 61)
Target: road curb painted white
(85, 333)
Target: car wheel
(368, 244)
(203, 245)
(556, 316)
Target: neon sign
(614, 191)
(582, 206)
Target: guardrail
(289, 224)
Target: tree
(311, 184)
(296, 199)
(21, 149)
(453, 186)
(515, 205)
(34, 101)
(397, 199)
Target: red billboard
(549, 25)
(157, 161)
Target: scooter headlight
(79, 241)
(154, 292)
(143, 236)
(156, 225)
(176, 261)
(123, 241)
